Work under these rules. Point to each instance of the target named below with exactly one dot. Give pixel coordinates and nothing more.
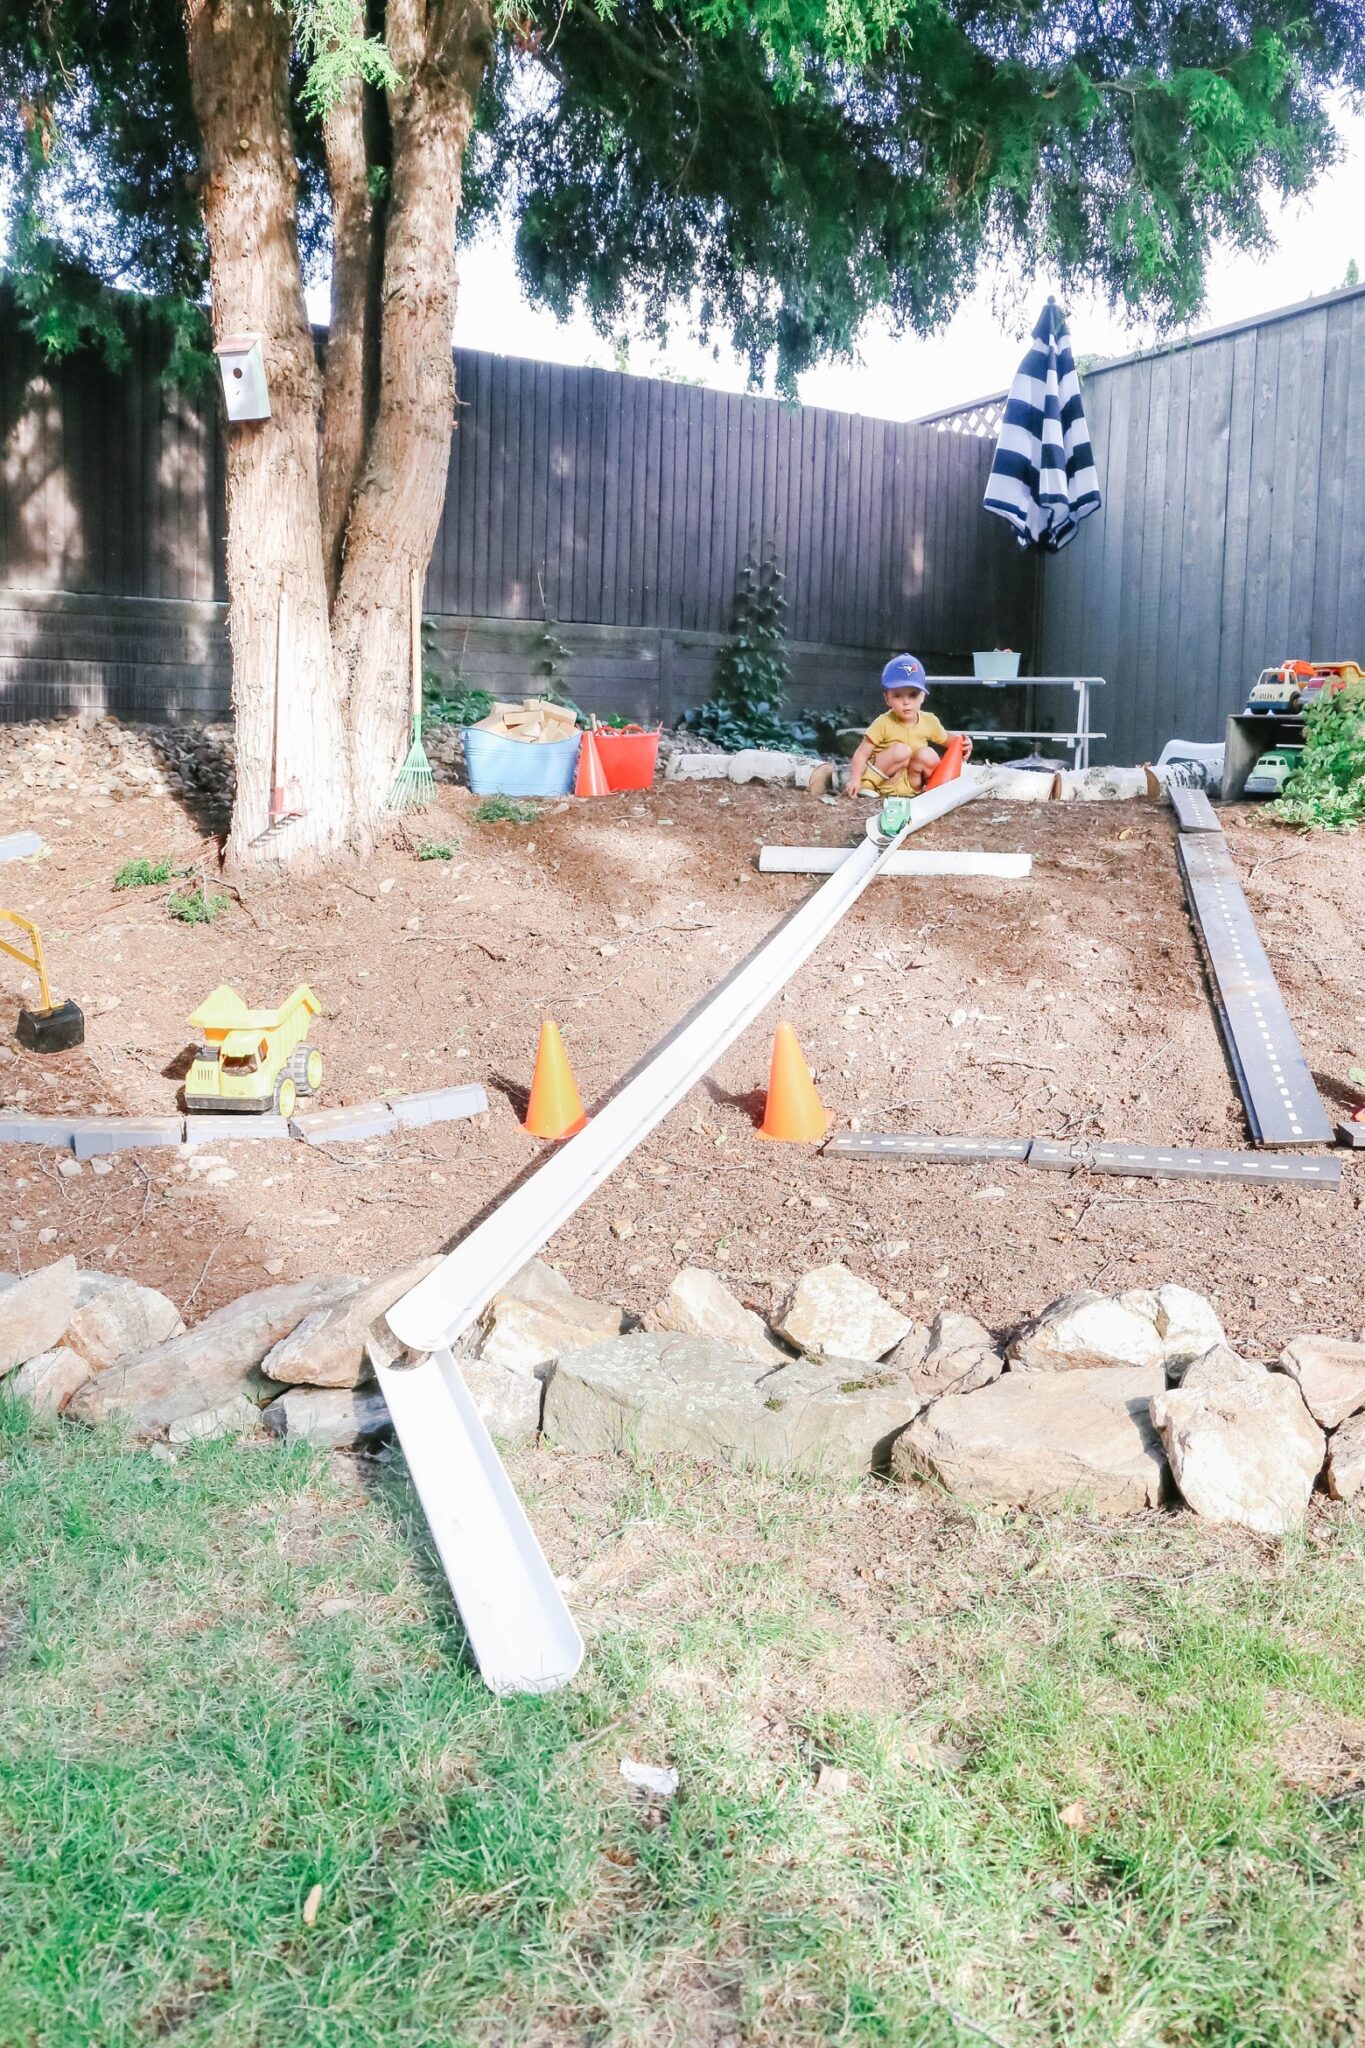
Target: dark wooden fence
(1233, 527)
(619, 507)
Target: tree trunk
(398, 504)
(239, 59)
(336, 519)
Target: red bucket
(629, 755)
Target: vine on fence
(753, 670)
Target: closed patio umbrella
(1043, 477)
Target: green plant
(195, 906)
(143, 874)
(435, 849)
(454, 701)
(1326, 791)
(506, 810)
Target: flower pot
(995, 666)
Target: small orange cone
(950, 767)
(555, 1109)
(591, 779)
(794, 1111)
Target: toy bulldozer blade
(56, 1027)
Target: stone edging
(92, 1137)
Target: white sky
(979, 350)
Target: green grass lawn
(1104, 1786)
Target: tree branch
(349, 371)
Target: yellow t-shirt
(890, 731)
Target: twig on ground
(203, 1274)
(450, 939)
(1273, 860)
(959, 2019)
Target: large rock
(1243, 1447)
(234, 1417)
(48, 1381)
(1330, 1374)
(199, 1373)
(328, 1348)
(1346, 1460)
(1042, 1440)
(653, 1392)
(835, 1314)
(338, 1418)
(508, 1402)
(1187, 1324)
(537, 1317)
(956, 1357)
(35, 1311)
(117, 1318)
(1086, 1330)
(699, 1304)
(1146, 1326)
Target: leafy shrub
(455, 702)
(505, 810)
(435, 849)
(1326, 791)
(195, 906)
(143, 874)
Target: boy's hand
(855, 786)
(966, 746)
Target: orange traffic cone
(591, 779)
(555, 1109)
(794, 1111)
(950, 767)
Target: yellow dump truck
(254, 1060)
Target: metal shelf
(1081, 686)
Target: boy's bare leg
(892, 760)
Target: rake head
(414, 786)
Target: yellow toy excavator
(254, 1060)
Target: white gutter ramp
(444, 1305)
(518, 1626)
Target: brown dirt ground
(1069, 1005)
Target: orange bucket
(629, 755)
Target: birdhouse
(242, 367)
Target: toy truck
(252, 1061)
(1272, 771)
(1294, 685)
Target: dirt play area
(1069, 1005)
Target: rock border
(1112, 1403)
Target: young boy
(896, 756)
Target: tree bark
(397, 506)
(335, 499)
(348, 374)
(239, 70)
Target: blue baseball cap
(903, 672)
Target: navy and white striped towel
(1043, 477)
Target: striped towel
(1043, 477)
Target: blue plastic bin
(502, 767)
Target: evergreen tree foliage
(782, 167)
